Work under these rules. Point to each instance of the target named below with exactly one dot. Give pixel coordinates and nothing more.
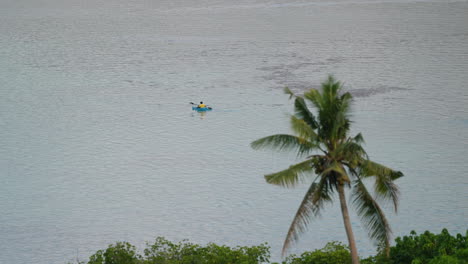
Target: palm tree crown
(336, 160)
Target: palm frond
(339, 118)
(333, 110)
(288, 91)
(384, 187)
(303, 129)
(315, 198)
(314, 96)
(330, 89)
(338, 171)
(371, 214)
(303, 112)
(351, 152)
(359, 139)
(284, 142)
(345, 100)
(291, 176)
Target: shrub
(332, 253)
(426, 248)
(121, 252)
(166, 252)
(445, 260)
(163, 251)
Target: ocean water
(98, 142)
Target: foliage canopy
(425, 248)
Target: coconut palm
(334, 161)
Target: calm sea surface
(98, 142)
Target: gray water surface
(99, 144)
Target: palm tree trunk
(347, 224)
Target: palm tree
(335, 160)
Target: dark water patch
(299, 65)
(287, 74)
(300, 87)
(465, 34)
(272, 68)
(269, 105)
(335, 60)
(375, 91)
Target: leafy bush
(122, 252)
(445, 260)
(426, 248)
(166, 252)
(332, 253)
(462, 254)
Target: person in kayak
(201, 105)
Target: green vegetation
(332, 253)
(336, 160)
(426, 248)
(163, 251)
